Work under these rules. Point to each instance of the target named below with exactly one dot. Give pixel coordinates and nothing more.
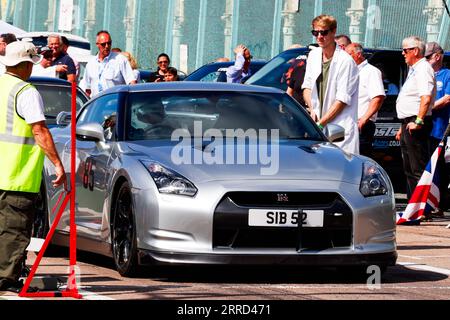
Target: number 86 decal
(88, 176)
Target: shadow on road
(185, 274)
(278, 275)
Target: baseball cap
(432, 47)
(20, 51)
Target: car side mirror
(334, 132)
(63, 118)
(90, 132)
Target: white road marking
(425, 267)
(12, 298)
(87, 295)
(410, 257)
(434, 257)
(318, 286)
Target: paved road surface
(422, 273)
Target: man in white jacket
(331, 84)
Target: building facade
(195, 32)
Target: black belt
(413, 118)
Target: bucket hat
(20, 51)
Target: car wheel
(123, 233)
(41, 224)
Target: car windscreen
(57, 99)
(276, 72)
(156, 115)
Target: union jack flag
(426, 195)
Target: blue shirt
(114, 70)
(441, 116)
(68, 61)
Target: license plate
(285, 218)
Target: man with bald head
(370, 97)
(107, 69)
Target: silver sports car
(213, 173)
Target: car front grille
(231, 228)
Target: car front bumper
(147, 257)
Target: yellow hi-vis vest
(21, 159)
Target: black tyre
(123, 233)
(41, 224)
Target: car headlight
(373, 181)
(168, 181)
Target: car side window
(210, 77)
(102, 111)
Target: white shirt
(112, 71)
(2, 69)
(235, 73)
(420, 82)
(343, 86)
(40, 71)
(30, 106)
(137, 75)
(370, 86)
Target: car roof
(49, 80)
(69, 36)
(226, 64)
(190, 86)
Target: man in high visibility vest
(24, 140)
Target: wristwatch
(419, 121)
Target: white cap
(20, 51)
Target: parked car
(216, 71)
(145, 197)
(57, 97)
(392, 64)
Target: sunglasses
(405, 50)
(105, 43)
(316, 33)
(163, 61)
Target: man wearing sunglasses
(107, 69)
(241, 67)
(414, 104)
(331, 84)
